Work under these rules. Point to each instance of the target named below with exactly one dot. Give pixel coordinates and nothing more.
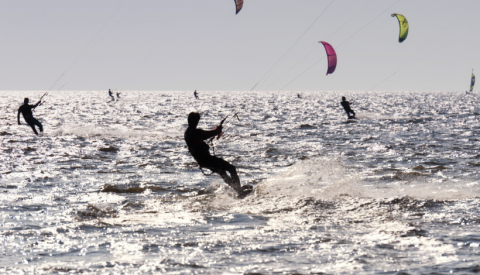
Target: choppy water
(111, 188)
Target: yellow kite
(402, 21)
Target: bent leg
(33, 128)
(232, 182)
(32, 122)
(220, 166)
(234, 179)
(36, 122)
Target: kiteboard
(247, 190)
(351, 120)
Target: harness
(201, 168)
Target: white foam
(327, 178)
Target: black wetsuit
(348, 110)
(26, 110)
(200, 152)
(195, 94)
(111, 95)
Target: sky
(182, 45)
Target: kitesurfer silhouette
(196, 94)
(200, 151)
(26, 110)
(111, 95)
(298, 95)
(346, 106)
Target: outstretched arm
(208, 134)
(35, 106)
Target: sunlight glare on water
(111, 188)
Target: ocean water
(110, 187)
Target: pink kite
(332, 57)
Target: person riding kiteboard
(194, 137)
(111, 95)
(348, 110)
(26, 110)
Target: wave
(329, 179)
(92, 130)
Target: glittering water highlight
(110, 186)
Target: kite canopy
(472, 83)
(332, 57)
(239, 4)
(402, 21)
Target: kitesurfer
(111, 95)
(194, 138)
(196, 94)
(298, 95)
(346, 106)
(26, 110)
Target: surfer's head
(193, 119)
(25, 101)
(343, 98)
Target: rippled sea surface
(110, 187)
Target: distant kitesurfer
(200, 151)
(346, 106)
(196, 94)
(111, 95)
(298, 95)
(26, 110)
(118, 95)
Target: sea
(110, 187)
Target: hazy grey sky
(203, 45)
